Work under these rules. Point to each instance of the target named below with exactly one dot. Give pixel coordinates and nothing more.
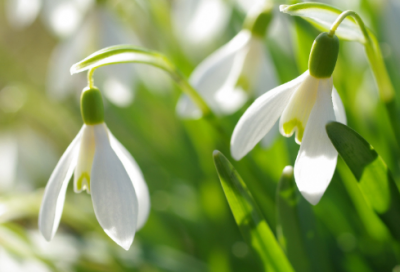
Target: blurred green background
(190, 227)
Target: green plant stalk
(208, 114)
(112, 55)
(374, 55)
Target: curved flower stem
(208, 114)
(90, 78)
(183, 84)
(374, 55)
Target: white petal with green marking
(216, 77)
(295, 116)
(85, 160)
(260, 117)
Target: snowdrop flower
(106, 170)
(304, 106)
(226, 76)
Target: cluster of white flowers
(225, 80)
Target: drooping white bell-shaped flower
(226, 77)
(303, 106)
(106, 170)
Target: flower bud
(323, 55)
(92, 108)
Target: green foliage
(373, 176)
(249, 218)
(297, 231)
(190, 227)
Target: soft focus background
(190, 227)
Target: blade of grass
(248, 217)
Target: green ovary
(79, 183)
(288, 128)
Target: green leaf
(322, 16)
(297, 231)
(122, 54)
(374, 178)
(248, 217)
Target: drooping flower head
(106, 170)
(226, 78)
(303, 106)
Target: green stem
(185, 87)
(208, 114)
(374, 55)
(188, 89)
(90, 78)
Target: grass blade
(248, 217)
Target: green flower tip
(323, 55)
(92, 108)
(258, 19)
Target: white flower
(104, 168)
(304, 106)
(225, 77)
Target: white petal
(261, 116)
(268, 140)
(136, 176)
(114, 199)
(316, 161)
(216, 77)
(338, 107)
(54, 194)
(295, 116)
(85, 160)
